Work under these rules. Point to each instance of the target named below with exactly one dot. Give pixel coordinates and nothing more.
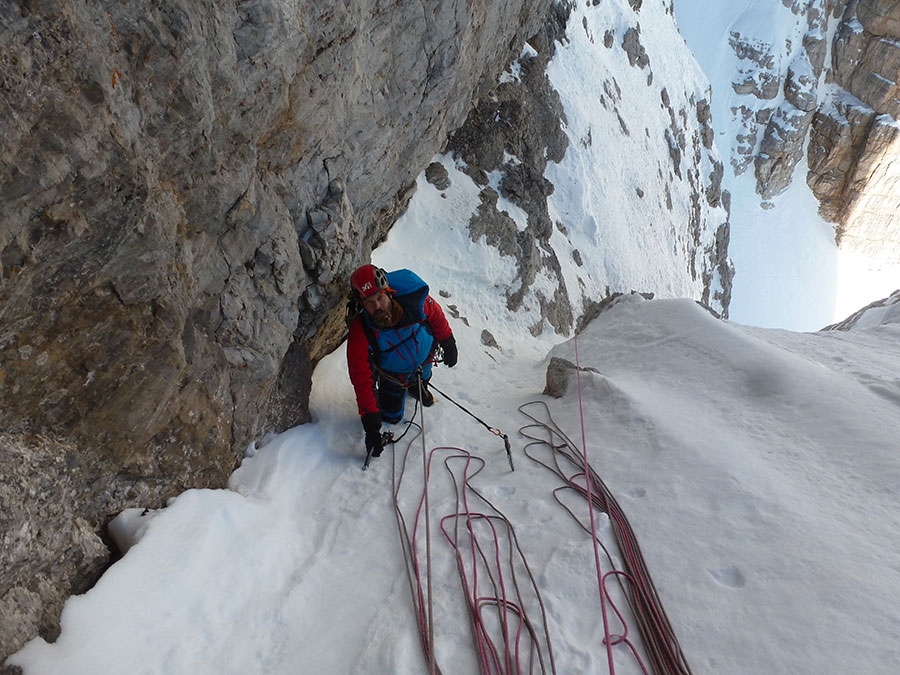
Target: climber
(395, 328)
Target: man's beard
(383, 319)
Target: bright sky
(758, 468)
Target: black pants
(392, 394)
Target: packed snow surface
(758, 467)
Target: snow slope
(758, 467)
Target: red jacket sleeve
(436, 320)
(360, 369)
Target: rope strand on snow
(508, 599)
(589, 488)
(658, 638)
(432, 666)
(422, 607)
(489, 563)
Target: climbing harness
(387, 437)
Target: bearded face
(380, 308)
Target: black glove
(372, 424)
(451, 355)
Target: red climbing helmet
(368, 280)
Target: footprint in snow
(730, 576)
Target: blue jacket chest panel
(406, 346)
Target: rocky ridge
(512, 135)
(854, 149)
(835, 98)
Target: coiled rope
(657, 635)
(491, 566)
(506, 641)
(486, 547)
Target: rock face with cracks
(854, 148)
(184, 188)
(842, 112)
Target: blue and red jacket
(401, 349)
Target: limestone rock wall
(781, 86)
(48, 549)
(184, 187)
(835, 97)
(854, 151)
(788, 124)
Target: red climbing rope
(657, 635)
(589, 490)
(508, 621)
(500, 591)
(493, 553)
(420, 590)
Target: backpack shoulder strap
(375, 352)
(411, 293)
